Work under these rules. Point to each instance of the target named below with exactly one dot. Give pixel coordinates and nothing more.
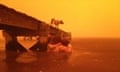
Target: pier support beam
(11, 43)
(12, 47)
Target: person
(41, 44)
(13, 48)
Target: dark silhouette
(40, 46)
(13, 49)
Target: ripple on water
(26, 58)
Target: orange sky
(84, 18)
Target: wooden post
(12, 46)
(11, 53)
(11, 43)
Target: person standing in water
(41, 44)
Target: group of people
(57, 44)
(52, 44)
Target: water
(89, 55)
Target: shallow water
(89, 55)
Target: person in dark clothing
(55, 40)
(42, 47)
(13, 49)
(12, 43)
(65, 42)
(41, 44)
(15, 46)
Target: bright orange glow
(84, 18)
